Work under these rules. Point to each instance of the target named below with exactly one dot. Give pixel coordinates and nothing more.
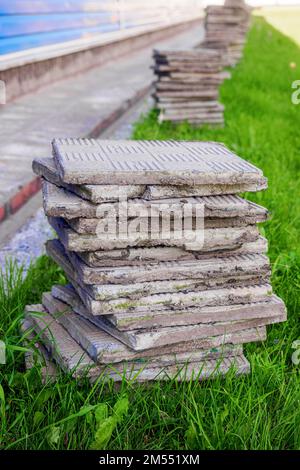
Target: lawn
(260, 411)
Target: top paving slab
(150, 162)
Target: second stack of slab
(187, 85)
(225, 29)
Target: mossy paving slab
(71, 357)
(140, 339)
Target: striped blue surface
(26, 24)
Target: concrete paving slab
(72, 358)
(137, 256)
(105, 349)
(87, 161)
(212, 239)
(100, 346)
(60, 202)
(141, 339)
(237, 265)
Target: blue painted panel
(26, 24)
(42, 39)
(15, 7)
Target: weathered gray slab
(200, 269)
(188, 54)
(214, 268)
(99, 345)
(208, 79)
(46, 168)
(62, 348)
(213, 239)
(141, 339)
(175, 302)
(97, 194)
(207, 93)
(109, 350)
(36, 354)
(189, 104)
(162, 68)
(82, 161)
(137, 256)
(133, 291)
(268, 308)
(106, 349)
(192, 113)
(91, 226)
(160, 192)
(61, 203)
(192, 371)
(188, 107)
(193, 316)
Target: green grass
(260, 411)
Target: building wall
(26, 24)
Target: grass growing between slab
(260, 411)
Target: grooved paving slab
(176, 302)
(59, 202)
(36, 353)
(148, 295)
(105, 349)
(209, 240)
(238, 265)
(269, 307)
(108, 350)
(93, 226)
(225, 30)
(137, 256)
(98, 193)
(136, 290)
(141, 339)
(82, 161)
(46, 168)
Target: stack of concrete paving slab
(225, 29)
(187, 85)
(167, 270)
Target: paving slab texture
(73, 358)
(81, 106)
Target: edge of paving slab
(29, 189)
